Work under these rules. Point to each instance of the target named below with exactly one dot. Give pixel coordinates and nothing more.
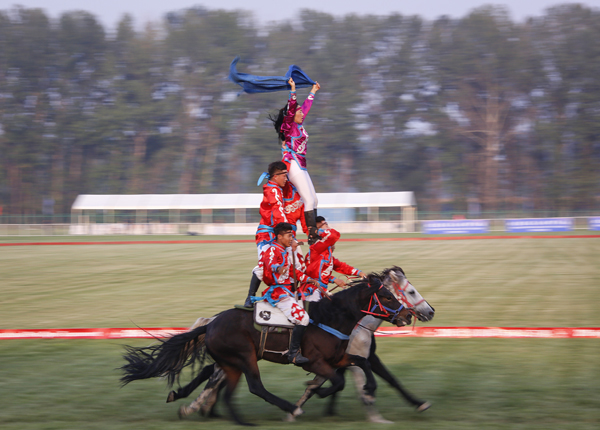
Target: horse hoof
(171, 397)
(182, 412)
(206, 410)
(297, 412)
(423, 407)
(379, 420)
(289, 418)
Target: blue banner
(456, 226)
(538, 224)
(594, 222)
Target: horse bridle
(375, 303)
(401, 292)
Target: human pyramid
(288, 197)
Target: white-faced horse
(362, 343)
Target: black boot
(294, 355)
(254, 284)
(311, 222)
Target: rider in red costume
(280, 274)
(320, 263)
(272, 210)
(281, 203)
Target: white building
(226, 214)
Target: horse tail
(166, 359)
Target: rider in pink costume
(294, 138)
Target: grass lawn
(472, 383)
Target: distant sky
(110, 11)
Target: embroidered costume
(280, 285)
(320, 263)
(296, 137)
(278, 205)
(294, 150)
(272, 212)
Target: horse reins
(347, 277)
(387, 311)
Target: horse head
(384, 304)
(394, 279)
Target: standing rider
(320, 263)
(272, 212)
(279, 274)
(294, 139)
(281, 203)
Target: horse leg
(330, 411)
(310, 391)
(338, 382)
(380, 370)
(183, 392)
(207, 409)
(206, 400)
(373, 415)
(233, 377)
(368, 397)
(257, 388)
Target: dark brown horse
(232, 342)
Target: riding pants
(293, 310)
(315, 296)
(301, 180)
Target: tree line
(473, 114)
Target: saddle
(266, 314)
(269, 319)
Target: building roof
(232, 201)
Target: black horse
(232, 342)
(362, 342)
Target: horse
(232, 342)
(362, 342)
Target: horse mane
(343, 305)
(385, 272)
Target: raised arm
(308, 102)
(346, 269)
(327, 238)
(288, 119)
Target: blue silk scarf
(266, 84)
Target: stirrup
(298, 359)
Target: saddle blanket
(266, 314)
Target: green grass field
(472, 383)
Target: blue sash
(268, 297)
(331, 330)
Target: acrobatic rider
(281, 203)
(279, 274)
(320, 263)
